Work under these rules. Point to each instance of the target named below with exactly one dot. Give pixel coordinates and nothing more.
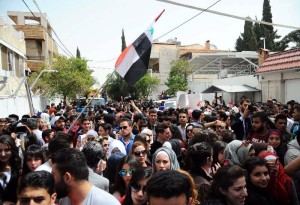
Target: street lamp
(264, 38)
(40, 74)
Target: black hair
(224, 178)
(280, 117)
(38, 179)
(93, 152)
(73, 161)
(15, 160)
(262, 115)
(169, 183)
(198, 154)
(32, 151)
(218, 146)
(160, 128)
(119, 184)
(252, 162)
(137, 176)
(176, 134)
(196, 114)
(60, 141)
(227, 136)
(46, 133)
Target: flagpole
(159, 15)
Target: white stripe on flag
(130, 58)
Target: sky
(95, 26)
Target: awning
(230, 89)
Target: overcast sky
(95, 25)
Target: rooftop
(286, 60)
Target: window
(11, 63)
(21, 67)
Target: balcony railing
(38, 58)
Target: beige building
(40, 46)
(12, 60)
(163, 53)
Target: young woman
(136, 193)
(281, 189)
(200, 155)
(10, 169)
(125, 169)
(275, 140)
(257, 181)
(139, 150)
(164, 159)
(218, 153)
(228, 187)
(33, 158)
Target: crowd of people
(137, 152)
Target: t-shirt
(255, 138)
(95, 196)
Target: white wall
(19, 105)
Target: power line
(186, 20)
(51, 27)
(230, 15)
(28, 8)
(46, 29)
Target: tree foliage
(78, 53)
(247, 40)
(177, 80)
(73, 77)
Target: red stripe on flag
(123, 54)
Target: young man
(169, 187)
(126, 135)
(281, 124)
(260, 131)
(163, 133)
(37, 188)
(71, 182)
(183, 119)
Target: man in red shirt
(260, 131)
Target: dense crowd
(139, 152)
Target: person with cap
(58, 123)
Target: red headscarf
(281, 185)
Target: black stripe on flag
(142, 46)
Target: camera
(251, 108)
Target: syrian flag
(133, 62)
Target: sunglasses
(138, 153)
(136, 187)
(191, 130)
(124, 172)
(123, 127)
(148, 141)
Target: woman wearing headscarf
(116, 146)
(281, 189)
(163, 159)
(236, 152)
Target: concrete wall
(19, 105)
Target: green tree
(146, 85)
(78, 53)
(177, 80)
(247, 40)
(73, 77)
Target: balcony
(37, 58)
(34, 65)
(32, 31)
